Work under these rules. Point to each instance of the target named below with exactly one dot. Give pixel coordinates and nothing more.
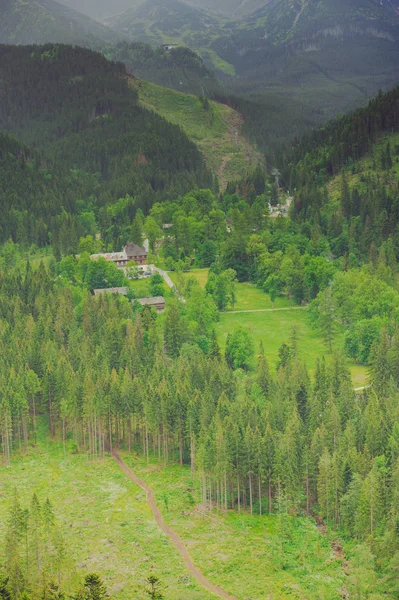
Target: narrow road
(262, 310)
(361, 389)
(176, 539)
(168, 282)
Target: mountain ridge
(44, 21)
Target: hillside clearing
(215, 128)
(109, 528)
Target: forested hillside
(180, 68)
(265, 442)
(102, 140)
(331, 55)
(299, 469)
(216, 129)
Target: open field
(107, 525)
(243, 553)
(249, 297)
(215, 128)
(109, 529)
(201, 275)
(274, 328)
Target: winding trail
(176, 539)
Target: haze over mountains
(322, 56)
(41, 21)
(333, 53)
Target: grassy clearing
(109, 529)
(211, 128)
(107, 525)
(274, 329)
(201, 275)
(245, 554)
(141, 288)
(249, 297)
(217, 62)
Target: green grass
(249, 297)
(141, 288)
(274, 329)
(109, 529)
(218, 62)
(212, 129)
(107, 525)
(242, 553)
(201, 275)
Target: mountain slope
(164, 20)
(215, 128)
(41, 21)
(346, 177)
(334, 53)
(100, 9)
(330, 54)
(78, 111)
(180, 69)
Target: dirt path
(361, 389)
(262, 310)
(176, 539)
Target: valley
(199, 300)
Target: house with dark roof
(157, 302)
(136, 253)
(121, 259)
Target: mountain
(180, 68)
(330, 54)
(41, 21)
(100, 9)
(158, 21)
(338, 51)
(85, 123)
(229, 8)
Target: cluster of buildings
(122, 259)
(131, 252)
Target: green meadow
(273, 327)
(107, 525)
(109, 529)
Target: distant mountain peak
(41, 21)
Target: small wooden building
(158, 302)
(115, 290)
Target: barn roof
(151, 301)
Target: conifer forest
(199, 374)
